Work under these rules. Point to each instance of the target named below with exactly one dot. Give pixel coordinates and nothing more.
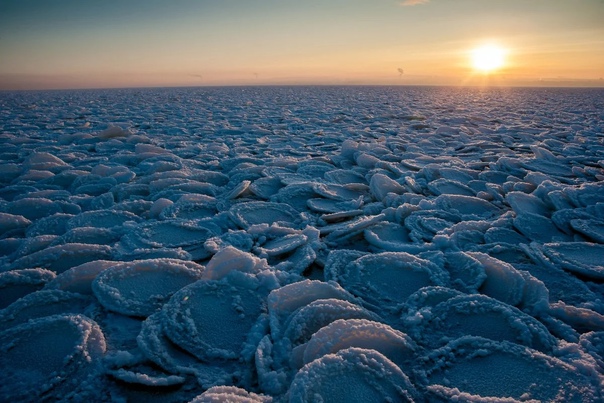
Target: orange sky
(130, 43)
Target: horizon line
(545, 84)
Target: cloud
(413, 2)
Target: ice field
(302, 244)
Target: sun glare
(488, 58)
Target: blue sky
(111, 43)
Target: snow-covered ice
(269, 244)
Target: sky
(47, 44)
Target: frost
(302, 244)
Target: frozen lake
(257, 244)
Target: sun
(488, 58)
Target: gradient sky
(131, 43)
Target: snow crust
(302, 244)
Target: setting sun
(488, 58)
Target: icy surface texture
(327, 244)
